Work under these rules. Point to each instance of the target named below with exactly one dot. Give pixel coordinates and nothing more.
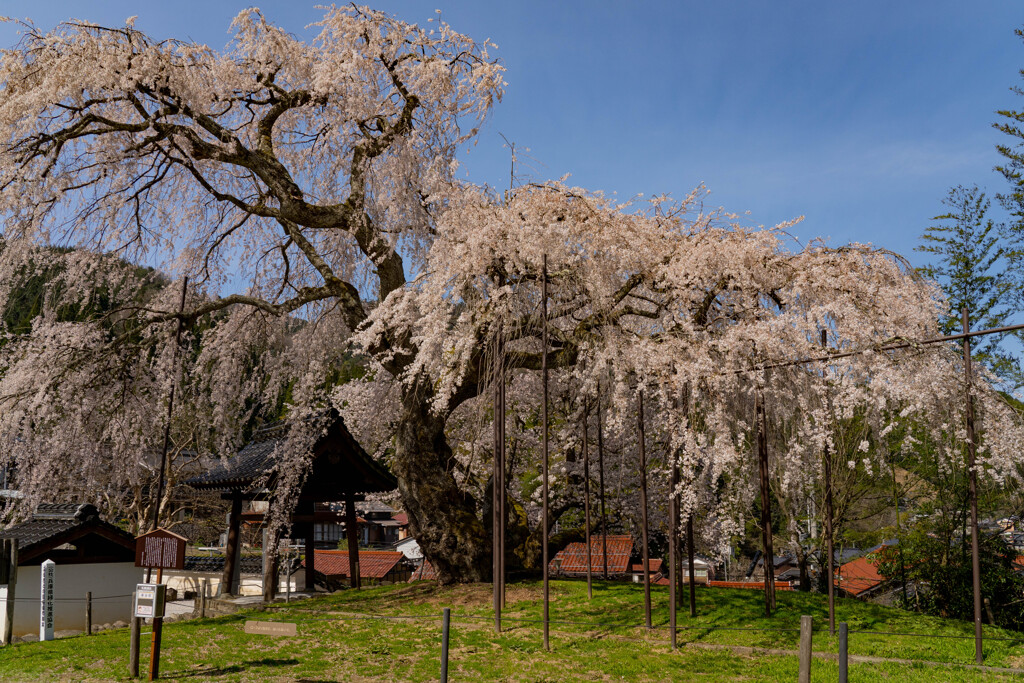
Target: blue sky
(859, 115)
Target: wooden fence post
(88, 613)
(805, 649)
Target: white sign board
(149, 600)
(46, 600)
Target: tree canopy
(308, 192)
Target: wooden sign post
(160, 549)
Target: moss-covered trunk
(444, 518)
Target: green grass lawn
(341, 638)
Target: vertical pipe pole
(495, 494)
(673, 541)
(689, 527)
(544, 419)
(503, 499)
(586, 502)
(844, 635)
(643, 510)
(352, 533)
(133, 654)
(158, 628)
(830, 539)
(804, 675)
(310, 551)
(88, 613)
(690, 565)
(600, 483)
(170, 409)
(202, 598)
(766, 515)
(973, 491)
(446, 620)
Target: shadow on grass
(233, 669)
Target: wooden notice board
(160, 549)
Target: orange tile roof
(574, 556)
(653, 564)
(373, 564)
(425, 572)
(859, 575)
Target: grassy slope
(338, 642)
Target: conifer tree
(973, 263)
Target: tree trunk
(442, 516)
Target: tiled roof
(368, 506)
(59, 523)
(64, 511)
(574, 556)
(215, 564)
(425, 572)
(859, 576)
(256, 460)
(403, 518)
(654, 566)
(373, 564)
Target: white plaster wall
(248, 585)
(111, 585)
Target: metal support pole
(133, 653)
(643, 510)
(496, 494)
(446, 619)
(202, 598)
(805, 649)
(586, 503)
(352, 533)
(766, 514)
(503, 498)
(828, 513)
(170, 408)
(673, 541)
(689, 522)
(844, 635)
(158, 628)
(600, 483)
(88, 613)
(973, 492)
(544, 419)
(690, 566)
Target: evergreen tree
(974, 266)
(1012, 168)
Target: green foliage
(942, 576)
(973, 264)
(1012, 151)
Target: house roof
(215, 563)
(573, 557)
(425, 572)
(654, 565)
(373, 564)
(859, 576)
(56, 524)
(402, 517)
(369, 506)
(339, 464)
